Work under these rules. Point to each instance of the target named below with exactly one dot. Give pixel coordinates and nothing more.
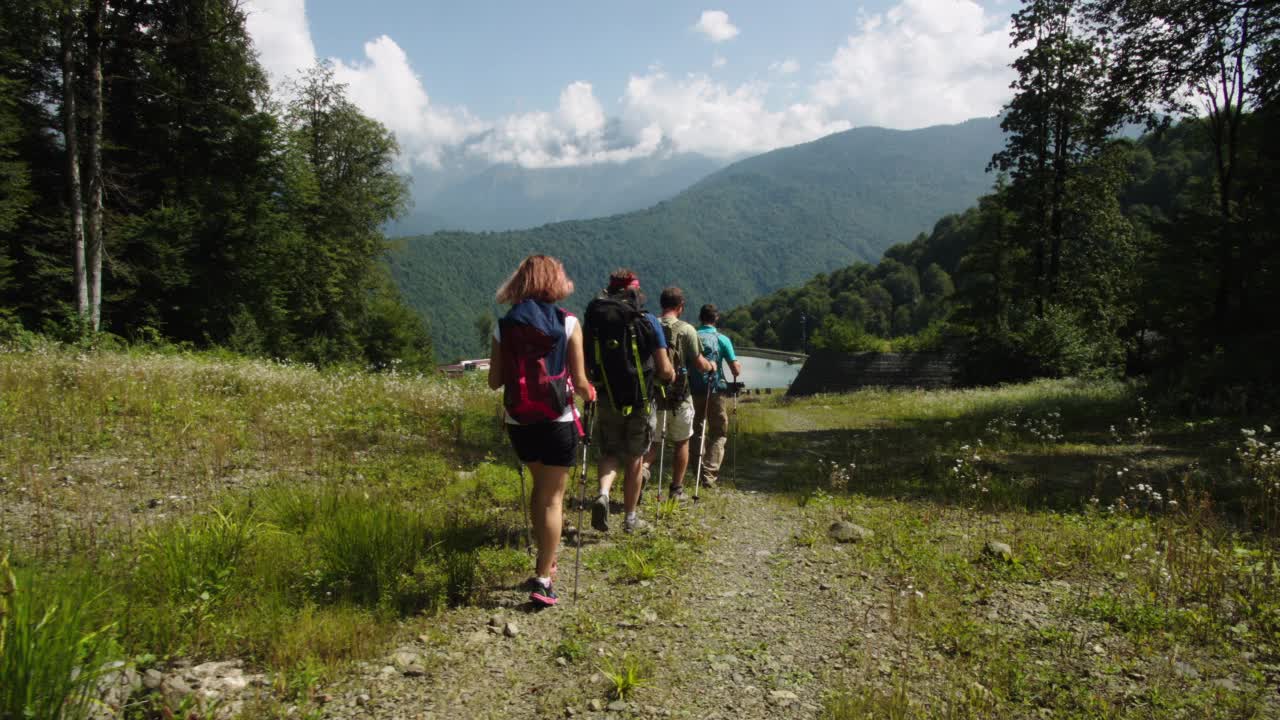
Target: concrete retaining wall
(833, 372)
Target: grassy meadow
(156, 506)
(1139, 578)
(175, 505)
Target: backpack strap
(573, 407)
(635, 352)
(608, 388)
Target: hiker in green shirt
(675, 410)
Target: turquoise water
(762, 373)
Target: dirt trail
(750, 627)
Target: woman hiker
(536, 358)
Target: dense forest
(1092, 252)
(760, 224)
(152, 188)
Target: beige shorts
(678, 422)
(623, 436)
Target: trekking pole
(528, 533)
(662, 455)
(524, 510)
(702, 442)
(733, 436)
(582, 496)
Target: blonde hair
(540, 277)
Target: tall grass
(197, 556)
(242, 508)
(50, 652)
(364, 546)
(99, 432)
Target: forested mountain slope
(506, 197)
(763, 223)
(965, 278)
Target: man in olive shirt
(676, 411)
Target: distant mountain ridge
(506, 197)
(760, 224)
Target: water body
(768, 373)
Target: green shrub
(185, 572)
(50, 653)
(627, 675)
(424, 589)
(290, 508)
(365, 545)
(930, 339)
(197, 557)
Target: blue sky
(572, 83)
(498, 58)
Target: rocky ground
(775, 609)
(834, 579)
(751, 627)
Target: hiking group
(640, 377)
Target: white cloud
(387, 89)
(281, 35)
(696, 114)
(577, 133)
(785, 67)
(923, 62)
(715, 25)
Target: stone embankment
(833, 372)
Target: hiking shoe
(543, 595)
(533, 583)
(637, 525)
(600, 514)
(677, 493)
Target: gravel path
(750, 626)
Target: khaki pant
(717, 434)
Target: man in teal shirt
(709, 394)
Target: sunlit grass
(1135, 534)
(876, 407)
(224, 507)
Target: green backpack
(675, 392)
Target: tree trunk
(95, 164)
(1042, 223)
(1062, 138)
(1224, 122)
(72, 142)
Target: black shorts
(549, 443)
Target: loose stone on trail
(404, 658)
(846, 532)
(999, 550)
(782, 698)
